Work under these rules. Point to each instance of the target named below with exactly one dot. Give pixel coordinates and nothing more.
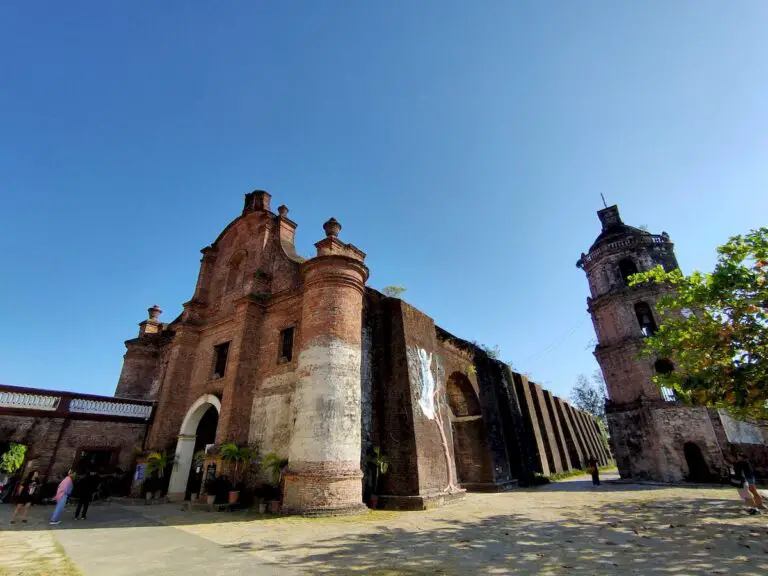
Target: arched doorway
(698, 471)
(201, 421)
(470, 447)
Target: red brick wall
(53, 443)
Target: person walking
(85, 491)
(62, 495)
(745, 473)
(27, 494)
(594, 470)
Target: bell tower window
(627, 268)
(645, 319)
(220, 354)
(286, 345)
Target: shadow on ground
(689, 537)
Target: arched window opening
(461, 396)
(663, 366)
(645, 319)
(235, 272)
(627, 267)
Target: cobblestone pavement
(565, 528)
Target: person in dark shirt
(85, 491)
(28, 493)
(746, 474)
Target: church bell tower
(624, 315)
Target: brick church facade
(652, 435)
(301, 358)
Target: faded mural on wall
(429, 393)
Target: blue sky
(464, 146)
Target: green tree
(393, 291)
(13, 458)
(714, 329)
(589, 395)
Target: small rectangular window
(286, 345)
(220, 353)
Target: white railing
(106, 408)
(29, 401)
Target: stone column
(323, 474)
(185, 448)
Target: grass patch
(578, 472)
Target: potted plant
(380, 465)
(149, 488)
(240, 457)
(275, 466)
(211, 487)
(157, 464)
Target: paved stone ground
(565, 528)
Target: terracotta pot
(373, 502)
(233, 496)
(210, 498)
(274, 506)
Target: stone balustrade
(107, 408)
(30, 401)
(14, 399)
(624, 244)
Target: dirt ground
(568, 527)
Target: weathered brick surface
(54, 443)
(353, 381)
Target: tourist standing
(27, 494)
(85, 490)
(62, 495)
(746, 474)
(594, 470)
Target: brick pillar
(571, 441)
(323, 474)
(579, 437)
(533, 427)
(550, 445)
(557, 429)
(588, 434)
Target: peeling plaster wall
(327, 403)
(272, 415)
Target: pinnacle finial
(154, 312)
(332, 228)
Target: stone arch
(470, 443)
(185, 446)
(698, 471)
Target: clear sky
(462, 145)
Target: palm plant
(159, 462)
(198, 458)
(274, 465)
(380, 464)
(240, 456)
